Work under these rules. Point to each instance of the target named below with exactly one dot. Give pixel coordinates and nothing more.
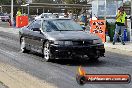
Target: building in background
(106, 8)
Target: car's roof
(54, 19)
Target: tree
(5, 2)
(75, 1)
(76, 11)
(8, 2)
(71, 1)
(127, 3)
(43, 1)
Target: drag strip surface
(62, 73)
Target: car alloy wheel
(23, 45)
(46, 52)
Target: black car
(60, 38)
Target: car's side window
(46, 26)
(37, 24)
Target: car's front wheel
(47, 52)
(23, 45)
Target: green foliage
(8, 2)
(43, 1)
(5, 2)
(71, 1)
(76, 11)
(20, 1)
(76, 1)
(127, 3)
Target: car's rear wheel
(23, 45)
(47, 52)
(3, 20)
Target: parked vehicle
(1, 14)
(4, 17)
(60, 38)
(45, 15)
(61, 15)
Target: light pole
(1, 8)
(27, 8)
(12, 12)
(131, 25)
(105, 10)
(28, 2)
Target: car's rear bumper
(69, 51)
(4, 19)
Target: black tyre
(93, 58)
(47, 52)
(3, 20)
(23, 45)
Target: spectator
(84, 18)
(94, 17)
(66, 15)
(70, 15)
(18, 13)
(121, 23)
